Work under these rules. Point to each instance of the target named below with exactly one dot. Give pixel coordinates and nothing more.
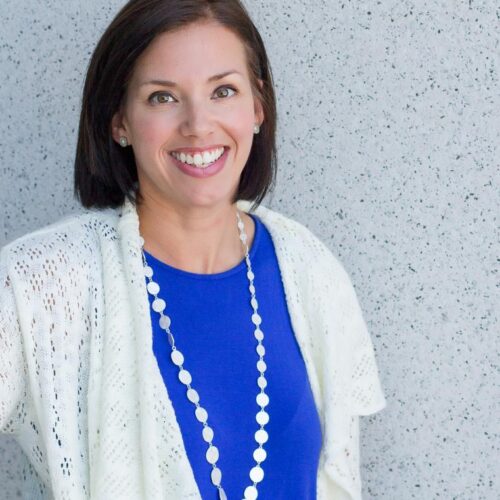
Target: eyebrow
(168, 83)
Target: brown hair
(106, 173)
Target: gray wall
(388, 150)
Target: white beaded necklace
(262, 417)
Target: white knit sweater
(80, 388)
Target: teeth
(200, 160)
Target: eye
(226, 87)
(162, 97)
(159, 97)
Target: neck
(199, 240)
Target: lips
(198, 172)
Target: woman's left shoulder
(300, 242)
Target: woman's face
(197, 109)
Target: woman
(178, 339)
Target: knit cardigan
(80, 388)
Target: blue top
(211, 324)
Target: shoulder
(284, 226)
(298, 244)
(69, 240)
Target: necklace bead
(158, 305)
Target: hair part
(105, 173)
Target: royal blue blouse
(211, 323)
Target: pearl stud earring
(123, 141)
(256, 129)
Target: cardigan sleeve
(351, 379)
(12, 367)
(365, 392)
(351, 344)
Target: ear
(118, 128)
(258, 108)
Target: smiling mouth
(199, 160)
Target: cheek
(150, 129)
(241, 123)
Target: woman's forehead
(198, 52)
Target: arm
(365, 394)
(12, 366)
(362, 392)
(351, 380)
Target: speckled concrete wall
(388, 150)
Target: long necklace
(262, 417)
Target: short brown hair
(106, 173)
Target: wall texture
(389, 116)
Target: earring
(123, 141)
(256, 129)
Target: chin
(206, 201)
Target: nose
(196, 120)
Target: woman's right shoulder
(69, 240)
